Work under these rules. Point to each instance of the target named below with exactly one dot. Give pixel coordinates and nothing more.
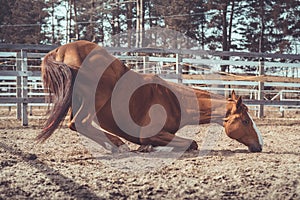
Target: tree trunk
(230, 24)
(53, 26)
(262, 22)
(137, 35)
(75, 20)
(225, 36)
(91, 25)
(129, 23)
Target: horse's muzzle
(255, 148)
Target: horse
(93, 87)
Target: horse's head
(239, 125)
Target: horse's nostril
(255, 148)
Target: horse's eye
(245, 122)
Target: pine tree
(263, 25)
(183, 16)
(24, 27)
(269, 26)
(54, 29)
(5, 13)
(220, 23)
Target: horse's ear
(233, 95)
(239, 102)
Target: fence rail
(20, 82)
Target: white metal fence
(21, 86)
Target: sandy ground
(65, 167)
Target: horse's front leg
(82, 123)
(164, 138)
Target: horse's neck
(212, 107)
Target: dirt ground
(66, 167)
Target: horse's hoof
(193, 146)
(145, 148)
(120, 149)
(123, 148)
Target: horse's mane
(58, 79)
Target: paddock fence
(263, 79)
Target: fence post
(281, 107)
(145, 64)
(19, 86)
(178, 68)
(24, 68)
(261, 84)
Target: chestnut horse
(93, 86)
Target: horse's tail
(57, 79)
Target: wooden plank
(256, 55)
(7, 83)
(8, 100)
(36, 75)
(8, 54)
(280, 64)
(241, 77)
(15, 73)
(240, 83)
(271, 103)
(237, 63)
(142, 50)
(36, 55)
(8, 78)
(170, 76)
(218, 62)
(280, 84)
(7, 94)
(162, 59)
(11, 75)
(13, 84)
(200, 52)
(219, 82)
(135, 58)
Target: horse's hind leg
(164, 138)
(84, 126)
(108, 141)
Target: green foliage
(22, 21)
(252, 25)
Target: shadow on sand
(67, 185)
